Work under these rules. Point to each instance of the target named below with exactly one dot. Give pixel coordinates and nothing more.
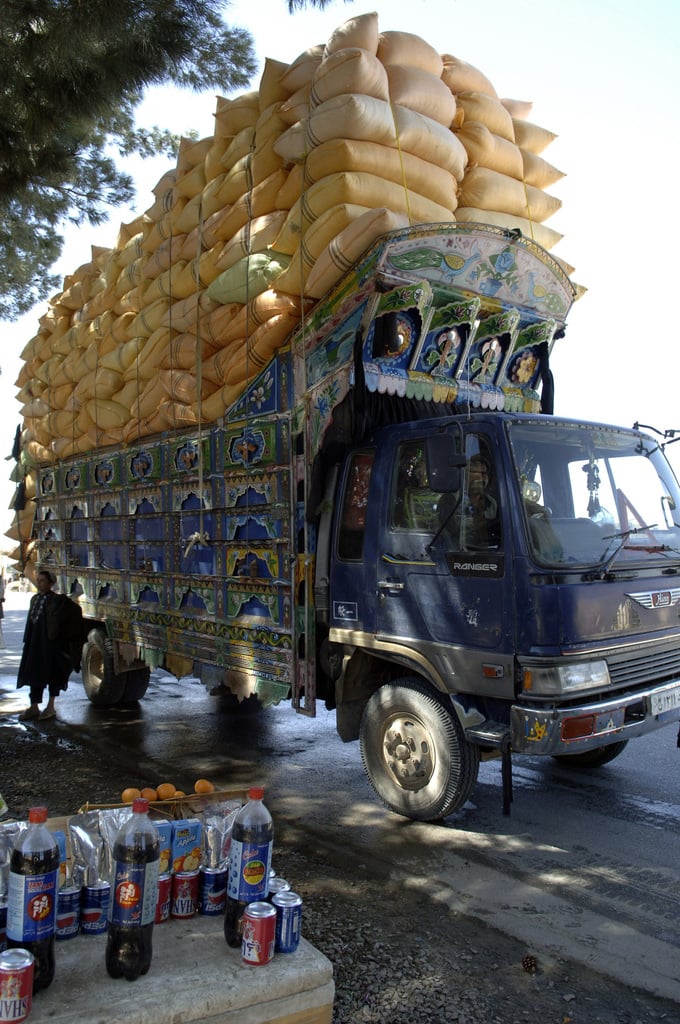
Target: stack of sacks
(371, 149)
(505, 178)
(365, 134)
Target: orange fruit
(130, 794)
(165, 791)
(179, 792)
(203, 786)
(149, 793)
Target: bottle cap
(37, 815)
(255, 793)
(140, 805)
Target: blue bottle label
(32, 906)
(249, 866)
(133, 898)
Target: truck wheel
(414, 751)
(592, 758)
(136, 684)
(102, 686)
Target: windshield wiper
(606, 563)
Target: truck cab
(501, 582)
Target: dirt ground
(397, 958)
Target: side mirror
(443, 463)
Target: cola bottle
(32, 898)
(250, 861)
(136, 851)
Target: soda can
(163, 898)
(184, 897)
(68, 912)
(212, 890)
(259, 933)
(3, 925)
(288, 907)
(16, 985)
(94, 908)
(277, 884)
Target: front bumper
(554, 730)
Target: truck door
(442, 571)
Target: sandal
(28, 714)
(48, 713)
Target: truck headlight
(559, 679)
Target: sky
(605, 76)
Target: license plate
(669, 700)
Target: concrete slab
(195, 978)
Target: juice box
(165, 836)
(186, 844)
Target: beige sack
(538, 171)
(342, 251)
(540, 233)
(232, 116)
(346, 71)
(296, 106)
(532, 137)
(271, 90)
(489, 150)
(477, 106)
(406, 49)
(362, 189)
(366, 119)
(488, 190)
(361, 31)
(421, 91)
(460, 76)
(255, 236)
(301, 71)
(403, 168)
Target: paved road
(587, 866)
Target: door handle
(391, 585)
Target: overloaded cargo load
(370, 132)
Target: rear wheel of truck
(102, 684)
(592, 758)
(414, 751)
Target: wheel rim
(95, 667)
(408, 751)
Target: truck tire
(136, 684)
(414, 751)
(101, 684)
(592, 758)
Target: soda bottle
(250, 860)
(136, 851)
(32, 897)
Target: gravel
(397, 958)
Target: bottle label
(31, 906)
(134, 891)
(249, 865)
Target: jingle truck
(391, 520)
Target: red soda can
(68, 912)
(16, 985)
(163, 897)
(184, 898)
(259, 933)
(94, 908)
(212, 890)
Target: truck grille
(647, 667)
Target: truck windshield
(595, 496)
